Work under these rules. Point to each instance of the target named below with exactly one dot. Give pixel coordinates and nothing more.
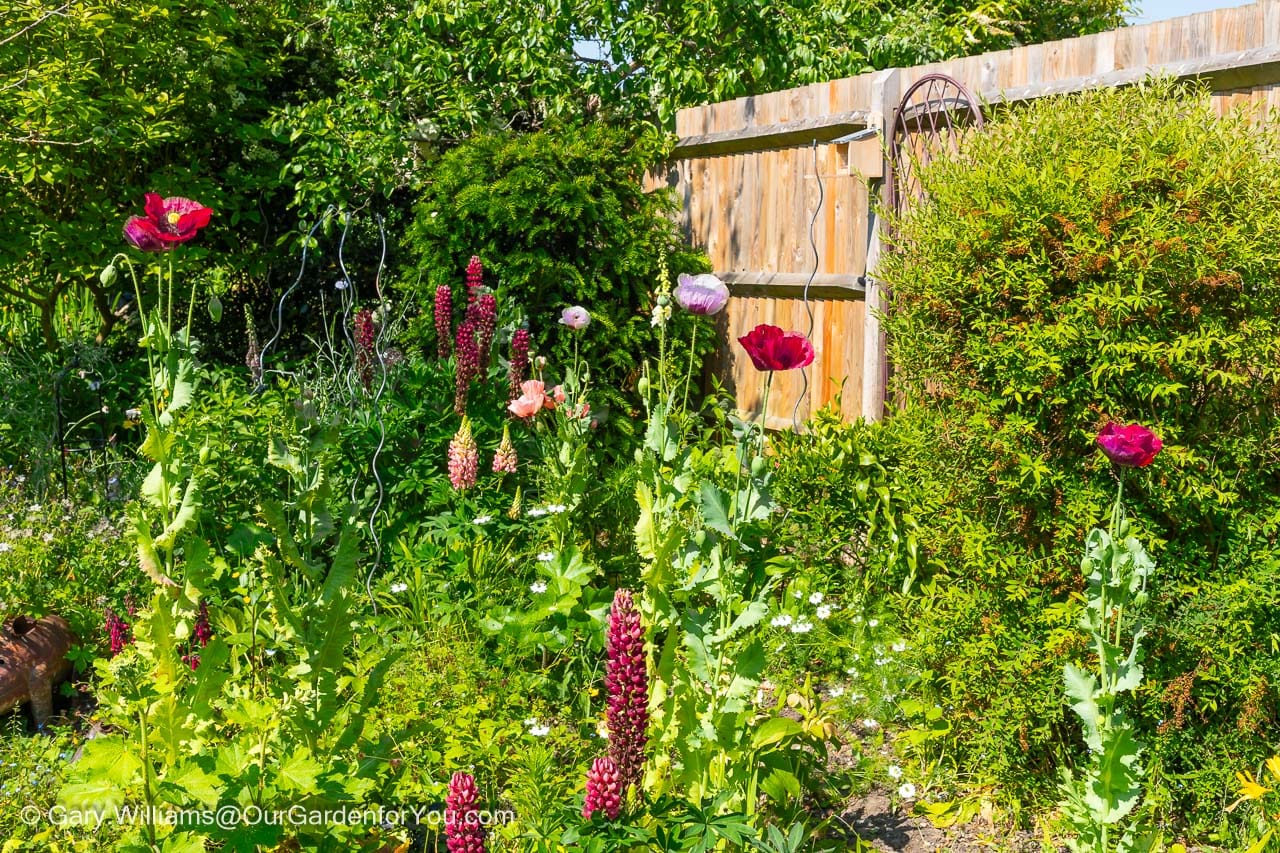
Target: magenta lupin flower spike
(604, 790)
(444, 321)
(518, 369)
(627, 684)
(463, 831)
(467, 365)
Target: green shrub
(559, 218)
(1103, 257)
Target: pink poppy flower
(575, 317)
(533, 398)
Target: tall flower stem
(688, 374)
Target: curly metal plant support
(813, 244)
(330, 354)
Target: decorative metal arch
(934, 117)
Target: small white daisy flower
(907, 791)
(836, 692)
(802, 627)
(546, 556)
(537, 588)
(540, 731)
(33, 508)
(823, 611)
(871, 623)
(795, 593)
(870, 724)
(895, 772)
(536, 512)
(556, 508)
(397, 588)
(815, 598)
(269, 652)
(5, 547)
(482, 519)
(781, 621)
(900, 646)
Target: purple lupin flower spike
(518, 371)
(467, 365)
(486, 321)
(364, 347)
(444, 321)
(118, 632)
(475, 280)
(627, 684)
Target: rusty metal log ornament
(33, 659)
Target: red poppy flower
(1132, 446)
(771, 348)
(169, 221)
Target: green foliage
(1100, 800)
(1100, 258)
(559, 218)
(104, 101)
(845, 509)
(397, 81)
(1096, 258)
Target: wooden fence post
(875, 365)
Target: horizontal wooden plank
(837, 285)
(783, 135)
(1235, 70)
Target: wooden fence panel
(754, 173)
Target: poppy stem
(688, 374)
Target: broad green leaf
(184, 518)
(299, 771)
(774, 730)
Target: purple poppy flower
(701, 294)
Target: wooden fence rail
(780, 189)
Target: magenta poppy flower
(701, 294)
(771, 348)
(1132, 446)
(169, 221)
